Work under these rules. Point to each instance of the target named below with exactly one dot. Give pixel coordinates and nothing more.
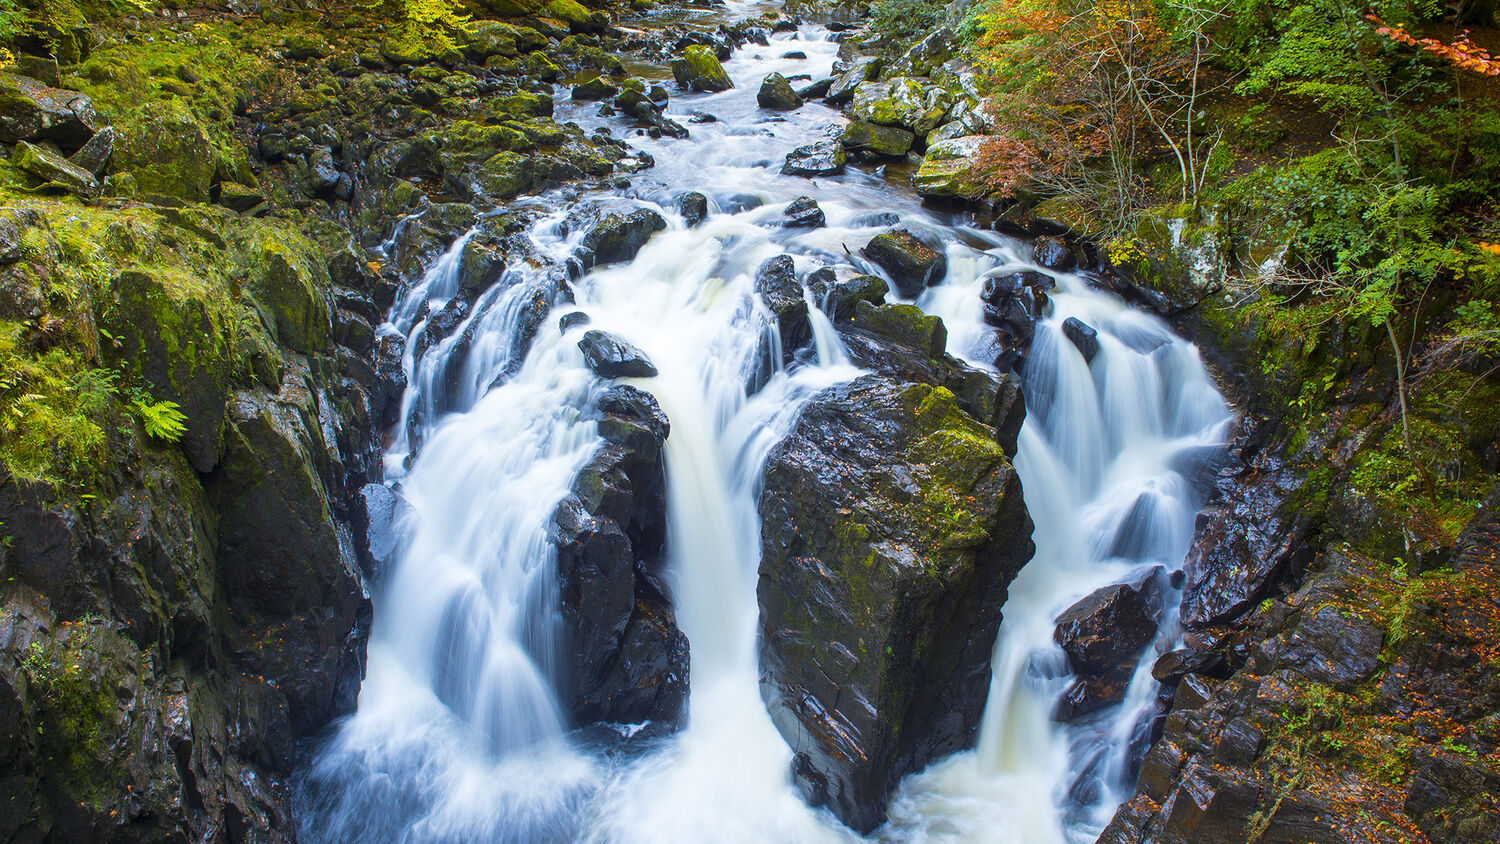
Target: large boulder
(904, 102)
(50, 170)
(1110, 626)
(892, 524)
(824, 158)
(31, 111)
(838, 297)
(610, 357)
(865, 137)
(626, 660)
(167, 151)
(699, 69)
(618, 237)
(911, 264)
(777, 94)
(947, 171)
(847, 84)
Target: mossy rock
(512, 8)
(167, 152)
(176, 336)
(948, 170)
(906, 325)
(699, 69)
(577, 16)
(291, 287)
(862, 136)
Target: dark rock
(95, 153)
(911, 264)
(776, 94)
(891, 526)
(776, 284)
(1325, 647)
(846, 84)
(1053, 253)
(571, 320)
(31, 111)
(1172, 666)
(802, 213)
(1081, 336)
(1239, 744)
(618, 237)
(838, 298)
(1446, 797)
(1102, 631)
(693, 207)
(383, 512)
(1093, 692)
(610, 357)
(998, 288)
(824, 158)
(815, 91)
(904, 325)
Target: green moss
(69, 676)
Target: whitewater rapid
(458, 735)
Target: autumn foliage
(1463, 53)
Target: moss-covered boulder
(167, 152)
(911, 264)
(292, 288)
(864, 137)
(699, 69)
(777, 94)
(30, 111)
(892, 524)
(947, 170)
(577, 16)
(49, 170)
(903, 102)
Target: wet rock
(846, 84)
(48, 169)
(1174, 665)
(776, 94)
(637, 102)
(776, 284)
(1084, 338)
(31, 111)
(839, 297)
(1446, 797)
(824, 158)
(1090, 693)
(383, 511)
(903, 101)
(610, 357)
(618, 237)
(816, 91)
(167, 151)
(1325, 647)
(499, 243)
(892, 525)
(322, 172)
(571, 320)
(597, 88)
(1105, 629)
(947, 170)
(1053, 253)
(95, 153)
(239, 198)
(911, 264)
(699, 69)
(693, 207)
(802, 213)
(627, 660)
(892, 141)
(1000, 287)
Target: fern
(163, 420)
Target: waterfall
(459, 735)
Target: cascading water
(458, 735)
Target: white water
(458, 736)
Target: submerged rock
(892, 524)
(610, 357)
(693, 206)
(803, 213)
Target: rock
(693, 206)
(776, 94)
(239, 198)
(1174, 665)
(1000, 287)
(628, 663)
(839, 297)
(167, 151)
(1092, 692)
(824, 158)
(1102, 631)
(383, 513)
(816, 91)
(47, 168)
(618, 237)
(902, 101)
(1053, 253)
(500, 242)
(846, 84)
(776, 284)
(891, 526)
(802, 213)
(892, 141)
(1081, 336)
(635, 101)
(577, 16)
(948, 170)
(291, 287)
(31, 111)
(1446, 796)
(597, 88)
(910, 263)
(699, 69)
(571, 320)
(95, 153)
(1325, 647)
(322, 172)
(905, 325)
(610, 357)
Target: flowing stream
(458, 735)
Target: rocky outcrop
(618, 237)
(892, 524)
(627, 661)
